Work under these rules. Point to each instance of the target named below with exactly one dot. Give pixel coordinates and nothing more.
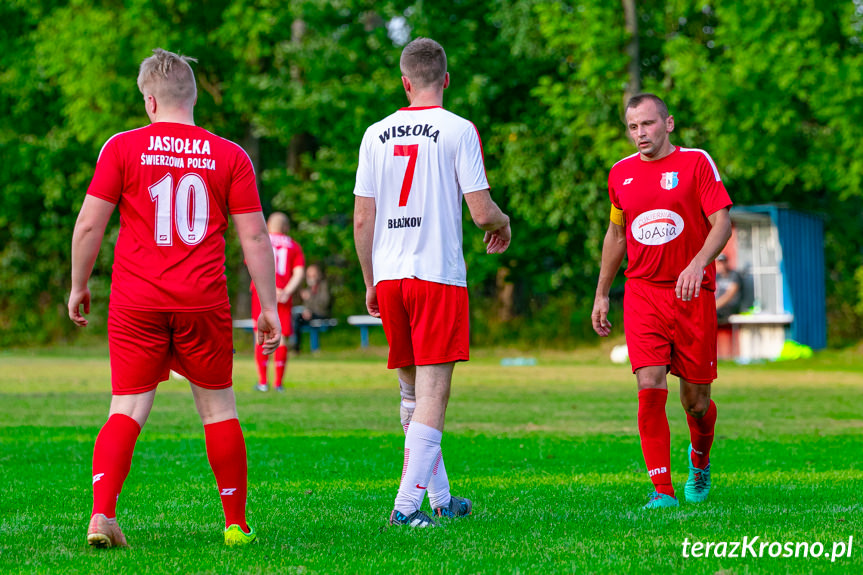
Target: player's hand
(76, 299)
(372, 302)
(498, 241)
(599, 316)
(269, 334)
(689, 282)
(282, 295)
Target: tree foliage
(770, 89)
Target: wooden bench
(364, 322)
(314, 327)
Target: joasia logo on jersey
(656, 227)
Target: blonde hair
(278, 223)
(168, 77)
(423, 61)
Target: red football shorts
(145, 345)
(284, 310)
(663, 330)
(426, 323)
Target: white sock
(438, 490)
(422, 448)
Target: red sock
(701, 435)
(226, 450)
(112, 459)
(655, 438)
(261, 360)
(281, 359)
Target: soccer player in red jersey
(290, 271)
(415, 167)
(669, 215)
(175, 185)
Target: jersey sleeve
(365, 185)
(616, 214)
(243, 195)
(469, 163)
(107, 182)
(612, 193)
(711, 190)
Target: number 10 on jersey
(410, 150)
(190, 207)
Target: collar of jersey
(676, 149)
(409, 109)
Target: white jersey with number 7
(417, 163)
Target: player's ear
(406, 82)
(446, 81)
(150, 104)
(669, 124)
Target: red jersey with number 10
(175, 186)
(665, 207)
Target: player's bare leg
(655, 434)
(701, 417)
(112, 460)
(422, 448)
(422, 443)
(226, 451)
(438, 488)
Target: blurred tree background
(772, 90)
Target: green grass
(549, 454)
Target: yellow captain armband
(616, 216)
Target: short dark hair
(423, 61)
(638, 99)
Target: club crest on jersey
(656, 227)
(669, 180)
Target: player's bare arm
(297, 276)
(488, 216)
(613, 251)
(364, 237)
(258, 251)
(86, 240)
(689, 282)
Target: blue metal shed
(784, 250)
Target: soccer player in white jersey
(415, 166)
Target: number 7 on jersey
(410, 150)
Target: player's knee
(651, 383)
(408, 403)
(406, 413)
(408, 391)
(696, 407)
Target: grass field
(549, 454)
